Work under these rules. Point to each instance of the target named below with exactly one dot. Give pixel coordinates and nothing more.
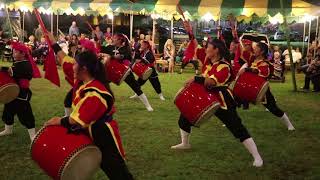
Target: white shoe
(145, 101)
(253, 150)
(181, 146)
(134, 96)
(7, 130)
(184, 141)
(149, 108)
(161, 97)
(258, 163)
(285, 119)
(32, 133)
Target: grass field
(147, 137)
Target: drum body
(196, 103)
(250, 87)
(116, 72)
(63, 155)
(9, 89)
(142, 70)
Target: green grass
(147, 136)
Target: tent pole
(309, 36)
(51, 22)
(153, 29)
(23, 15)
(171, 35)
(57, 23)
(131, 25)
(287, 35)
(112, 25)
(315, 37)
(304, 36)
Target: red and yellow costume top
(262, 66)
(67, 67)
(92, 102)
(221, 73)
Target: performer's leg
(8, 117)
(316, 83)
(156, 86)
(26, 117)
(137, 89)
(233, 122)
(185, 130)
(183, 65)
(141, 82)
(68, 103)
(133, 84)
(112, 163)
(196, 65)
(274, 109)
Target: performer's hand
(53, 121)
(118, 56)
(209, 83)
(138, 60)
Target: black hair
(217, 43)
(95, 67)
(264, 48)
(124, 40)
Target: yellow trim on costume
(223, 104)
(114, 138)
(99, 90)
(214, 78)
(208, 68)
(68, 59)
(221, 66)
(75, 113)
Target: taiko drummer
(215, 77)
(92, 111)
(23, 70)
(261, 67)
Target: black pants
(271, 105)
(229, 117)
(22, 109)
(154, 80)
(316, 82)
(112, 163)
(133, 84)
(68, 99)
(194, 62)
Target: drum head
(207, 114)
(124, 76)
(83, 164)
(262, 92)
(8, 93)
(147, 74)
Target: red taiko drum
(9, 89)
(142, 70)
(196, 103)
(250, 87)
(116, 71)
(64, 155)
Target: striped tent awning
(167, 8)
